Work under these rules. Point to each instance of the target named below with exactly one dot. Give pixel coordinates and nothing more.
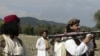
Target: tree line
(30, 30)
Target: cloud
(4, 11)
(54, 10)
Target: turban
(10, 18)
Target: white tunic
(59, 49)
(76, 50)
(13, 47)
(41, 46)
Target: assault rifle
(74, 33)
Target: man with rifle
(74, 45)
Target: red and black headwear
(10, 18)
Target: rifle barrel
(74, 33)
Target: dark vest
(78, 43)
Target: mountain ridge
(34, 21)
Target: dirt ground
(30, 43)
(97, 52)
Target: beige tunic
(13, 47)
(59, 49)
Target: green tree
(51, 28)
(39, 28)
(28, 29)
(97, 19)
(1, 22)
(86, 28)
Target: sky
(52, 10)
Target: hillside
(34, 21)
